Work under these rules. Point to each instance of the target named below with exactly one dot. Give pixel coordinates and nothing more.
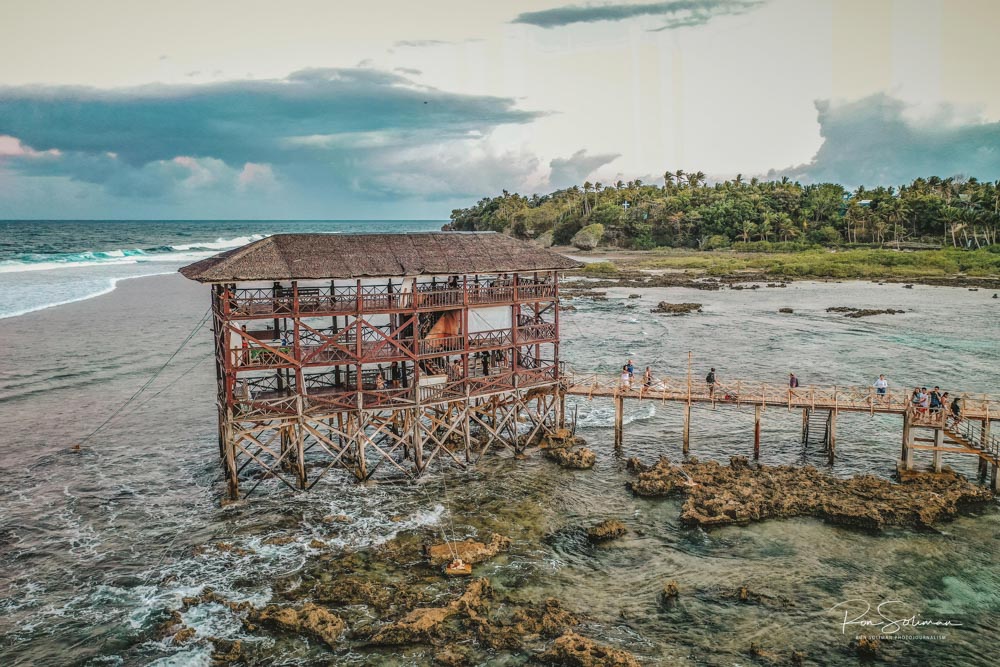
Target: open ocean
(53, 262)
(98, 547)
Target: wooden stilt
(756, 432)
(805, 425)
(994, 479)
(687, 428)
(619, 422)
(938, 442)
(904, 455)
(831, 439)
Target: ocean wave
(604, 417)
(164, 253)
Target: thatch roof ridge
(331, 256)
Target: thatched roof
(326, 256)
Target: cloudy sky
(402, 109)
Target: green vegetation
(758, 216)
(599, 270)
(856, 263)
(589, 237)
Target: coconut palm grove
(688, 212)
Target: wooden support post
(358, 435)
(938, 443)
(994, 480)
(687, 428)
(908, 445)
(562, 408)
(756, 432)
(231, 472)
(619, 421)
(904, 455)
(418, 441)
(831, 439)
(805, 425)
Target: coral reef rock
(575, 650)
(741, 493)
(311, 619)
(469, 551)
(606, 530)
(676, 308)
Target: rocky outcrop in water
(567, 450)
(476, 614)
(676, 308)
(606, 530)
(469, 551)
(576, 650)
(741, 493)
(849, 311)
(310, 619)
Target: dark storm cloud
(242, 121)
(873, 141)
(574, 169)
(678, 13)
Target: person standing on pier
(793, 382)
(647, 377)
(626, 379)
(936, 402)
(631, 370)
(710, 381)
(881, 386)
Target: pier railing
(748, 392)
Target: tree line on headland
(757, 215)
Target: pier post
(938, 444)
(805, 425)
(232, 475)
(687, 428)
(619, 413)
(562, 408)
(909, 449)
(994, 480)
(831, 437)
(756, 432)
(904, 455)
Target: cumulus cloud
(344, 124)
(573, 170)
(676, 13)
(880, 140)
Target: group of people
(628, 376)
(935, 401)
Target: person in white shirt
(881, 386)
(626, 378)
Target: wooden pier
(969, 435)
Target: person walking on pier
(956, 411)
(710, 381)
(647, 377)
(626, 379)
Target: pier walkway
(820, 405)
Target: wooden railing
(973, 405)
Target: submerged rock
(311, 619)
(676, 308)
(671, 591)
(785, 310)
(606, 530)
(741, 493)
(581, 458)
(469, 551)
(849, 311)
(578, 651)
(866, 647)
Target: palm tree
(668, 180)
